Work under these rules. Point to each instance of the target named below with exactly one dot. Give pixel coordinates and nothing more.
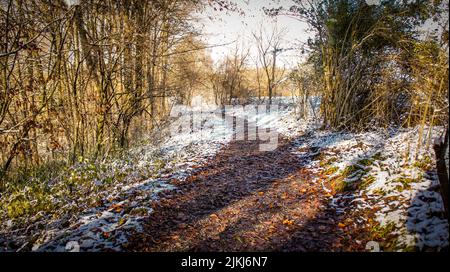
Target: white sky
(221, 27)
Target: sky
(223, 27)
(227, 27)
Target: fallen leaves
(264, 206)
(122, 221)
(288, 222)
(116, 208)
(272, 229)
(214, 216)
(322, 228)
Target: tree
(228, 79)
(269, 46)
(85, 78)
(354, 45)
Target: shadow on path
(243, 200)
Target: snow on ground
(123, 203)
(385, 172)
(401, 191)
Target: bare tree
(269, 46)
(83, 78)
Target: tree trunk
(440, 150)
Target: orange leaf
(341, 225)
(260, 193)
(288, 222)
(116, 208)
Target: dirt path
(244, 200)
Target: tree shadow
(266, 201)
(426, 218)
(237, 199)
(245, 199)
(235, 173)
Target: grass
(378, 157)
(24, 176)
(366, 182)
(324, 163)
(341, 184)
(382, 234)
(30, 200)
(159, 164)
(387, 240)
(425, 163)
(380, 192)
(405, 183)
(366, 162)
(57, 189)
(350, 170)
(331, 170)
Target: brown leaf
(214, 216)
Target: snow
(415, 220)
(175, 154)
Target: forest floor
(245, 200)
(319, 190)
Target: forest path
(244, 199)
(319, 190)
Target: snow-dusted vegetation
(224, 125)
(371, 175)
